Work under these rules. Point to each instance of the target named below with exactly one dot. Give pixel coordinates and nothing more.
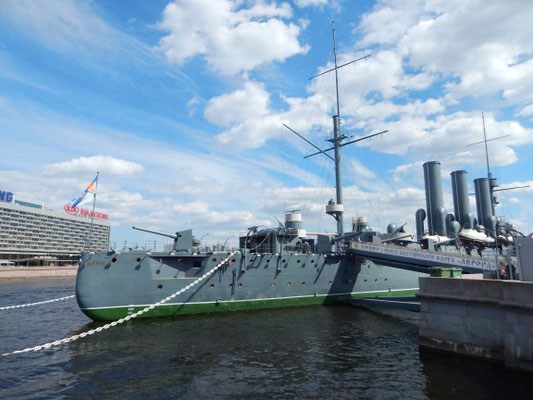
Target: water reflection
(302, 353)
(310, 352)
(449, 376)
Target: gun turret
(156, 232)
(182, 240)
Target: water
(318, 352)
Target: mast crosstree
(336, 209)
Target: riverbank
(38, 272)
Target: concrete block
(511, 317)
(480, 318)
(470, 350)
(524, 318)
(519, 348)
(486, 311)
(434, 334)
(486, 331)
(449, 307)
(445, 322)
(422, 282)
(517, 292)
(520, 331)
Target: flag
(86, 196)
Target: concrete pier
(482, 318)
(37, 272)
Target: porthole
(273, 284)
(375, 280)
(303, 283)
(385, 279)
(138, 260)
(233, 260)
(268, 260)
(231, 285)
(180, 259)
(240, 285)
(298, 261)
(212, 286)
(159, 287)
(288, 283)
(283, 261)
(161, 260)
(366, 280)
(114, 260)
(214, 259)
(312, 261)
(329, 283)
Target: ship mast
(491, 180)
(336, 209)
(336, 142)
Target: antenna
(489, 174)
(486, 147)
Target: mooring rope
(122, 320)
(37, 303)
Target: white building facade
(33, 235)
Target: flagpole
(88, 240)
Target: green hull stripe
(200, 308)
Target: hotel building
(33, 235)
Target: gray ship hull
(113, 285)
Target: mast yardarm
(336, 209)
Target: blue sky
(180, 106)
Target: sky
(181, 105)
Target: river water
(336, 352)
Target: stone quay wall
(483, 318)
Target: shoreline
(38, 272)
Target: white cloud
(307, 3)
(424, 65)
(361, 170)
(528, 110)
(485, 44)
(250, 102)
(251, 122)
(59, 23)
(104, 164)
(231, 38)
(429, 42)
(389, 22)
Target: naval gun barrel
(156, 233)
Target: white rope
(38, 303)
(120, 321)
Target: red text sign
(86, 213)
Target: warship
(288, 266)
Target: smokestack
(485, 215)
(434, 205)
(420, 218)
(461, 204)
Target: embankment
(37, 272)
